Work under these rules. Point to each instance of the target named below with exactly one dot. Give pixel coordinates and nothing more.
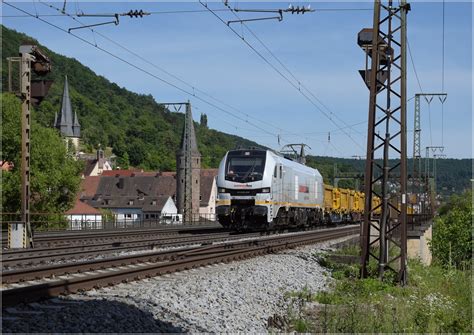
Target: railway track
(36, 256)
(58, 238)
(69, 278)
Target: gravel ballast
(235, 297)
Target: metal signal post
(386, 165)
(31, 59)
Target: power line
(297, 87)
(442, 79)
(108, 14)
(414, 68)
(180, 12)
(139, 68)
(191, 86)
(300, 84)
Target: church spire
(65, 121)
(188, 131)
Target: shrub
(452, 233)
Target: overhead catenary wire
(78, 14)
(139, 68)
(295, 86)
(414, 67)
(191, 86)
(442, 77)
(186, 11)
(297, 81)
(175, 77)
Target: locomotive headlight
(266, 190)
(221, 190)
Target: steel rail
(69, 253)
(180, 261)
(32, 273)
(82, 237)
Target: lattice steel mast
(385, 223)
(31, 59)
(416, 178)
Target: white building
(83, 216)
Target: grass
(436, 300)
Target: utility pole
(31, 59)
(416, 178)
(385, 48)
(430, 186)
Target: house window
(128, 216)
(153, 202)
(146, 216)
(130, 202)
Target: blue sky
(319, 49)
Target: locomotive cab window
(245, 166)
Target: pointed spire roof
(65, 120)
(76, 127)
(188, 130)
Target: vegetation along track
(112, 271)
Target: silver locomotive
(261, 189)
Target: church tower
(67, 124)
(188, 171)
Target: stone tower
(188, 171)
(65, 122)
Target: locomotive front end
(244, 189)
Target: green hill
(135, 126)
(453, 175)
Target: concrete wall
(417, 243)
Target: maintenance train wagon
(261, 189)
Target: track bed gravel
(234, 297)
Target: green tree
(203, 120)
(54, 174)
(452, 232)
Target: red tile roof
(89, 186)
(82, 208)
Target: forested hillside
(453, 175)
(140, 131)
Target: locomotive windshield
(245, 166)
